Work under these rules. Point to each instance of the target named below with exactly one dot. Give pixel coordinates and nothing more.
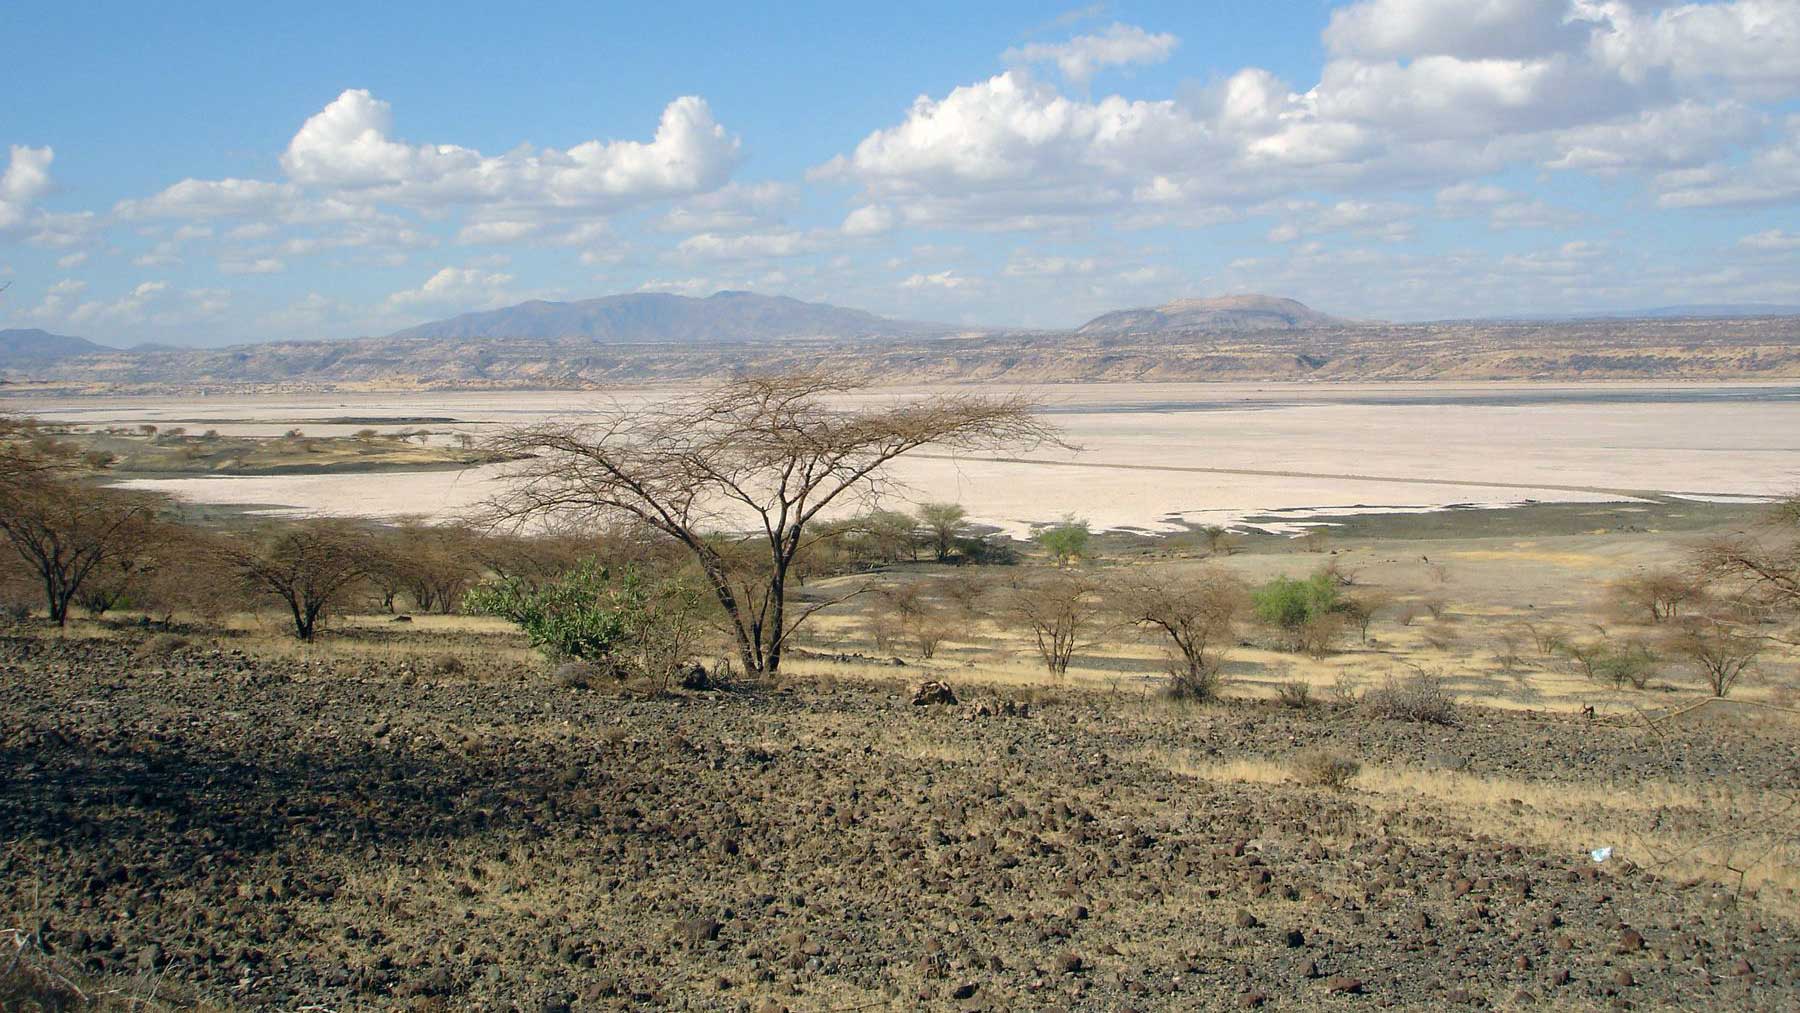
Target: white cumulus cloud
(26, 179)
(1081, 57)
(349, 146)
(459, 287)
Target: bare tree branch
(767, 455)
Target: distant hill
(23, 347)
(1713, 311)
(647, 337)
(1696, 311)
(655, 317)
(1221, 313)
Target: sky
(209, 174)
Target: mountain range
(641, 317)
(644, 337)
(1221, 314)
(23, 347)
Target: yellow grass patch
(1518, 555)
(1680, 831)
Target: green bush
(626, 623)
(1065, 541)
(1289, 604)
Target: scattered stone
(696, 931)
(933, 692)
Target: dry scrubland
(1371, 777)
(418, 815)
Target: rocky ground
(238, 831)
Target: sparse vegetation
(1616, 664)
(389, 741)
(1420, 697)
(626, 624)
(1295, 695)
(772, 447)
(1658, 596)
(1321, 768)
(1066, 541)
(1717, 649)
(1306, 613)
(1059, 611)
(1196, 614)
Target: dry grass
(1728, 837)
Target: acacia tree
(311, 567)
(945, 522)
(1720, 652)
(1066, 540)
(1197, 612)
(1764, 565)
(765, 455)
(1061, 611)
(1659, 595)
(65, 531)
(432, 563)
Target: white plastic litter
(1601, 854)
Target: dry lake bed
(1150, 456)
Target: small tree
(763, 455)
(1305, 611)
(433, 563)
(1060, 611)
(532, 560)
(312, 568)
(1197, 613)
(964, 591)
(189, 575)
(1218, 540)
(66, 531)
(887, 536)
(1720, 653)
(1066, 541)
(121, 581)
(1360, 608)
(1630, 663)
(944, 523)
(1658, 595)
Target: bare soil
(212, 826)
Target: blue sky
(215, 174)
